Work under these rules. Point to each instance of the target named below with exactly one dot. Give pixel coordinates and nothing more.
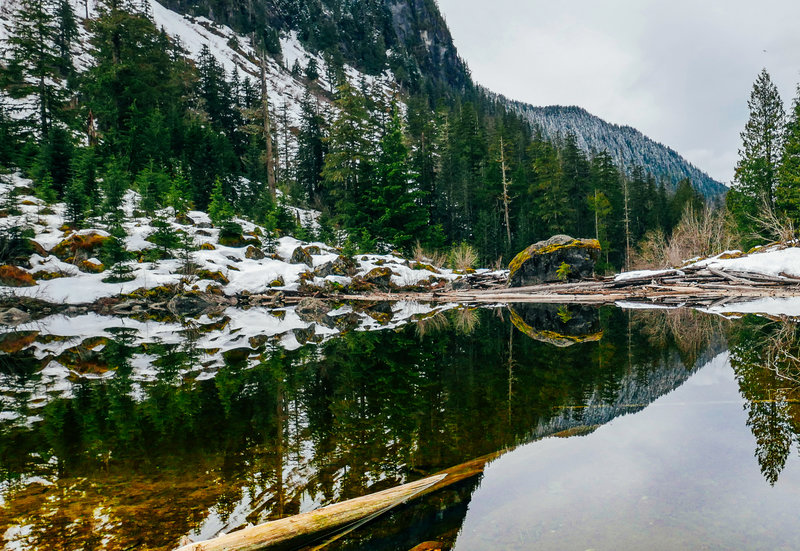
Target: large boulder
(559, 258)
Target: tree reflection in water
(119, 453)
(765, 356)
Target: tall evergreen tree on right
(756, 176)
(788, 193)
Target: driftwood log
(317, 523)
(327, 521)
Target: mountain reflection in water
(155, 433)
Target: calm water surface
(598, 428)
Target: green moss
(525, 255)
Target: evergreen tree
(219, 209)
(788, 191)
(179, 194)
(33, 70)
(115, 182)
(398, 217)
(347, 170)
(756, 174)
(164, 237)
(311, 150)
(55, 158)
(115, 256)
(64, 39)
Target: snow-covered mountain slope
(626, 145)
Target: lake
(594, 428)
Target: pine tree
(756, 174)
(788, 191)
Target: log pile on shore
(692, 286)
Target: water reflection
(206, 425)
(765, 356)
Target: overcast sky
(680, 71)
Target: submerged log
(317, 523)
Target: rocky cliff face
(409, 37)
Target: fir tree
(34, 68)
(164, 237)
(311, 150)
(399, 218)
(64, 39)
(756, 174)
(116, 181)
(788, 191)
(115, 256)
(347, 169)
(179, 194)
(219, 209)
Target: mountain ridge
(627, 145)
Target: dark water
(598, 429)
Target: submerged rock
(559, 258)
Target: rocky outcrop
(559, 258)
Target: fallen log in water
(317, 523)
(330, 520)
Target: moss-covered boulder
(85, 244)
(301, 256)
(342, 266)
(254, 253)
(559, 258)
(381, 277)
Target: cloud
(679, 71)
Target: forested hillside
(626, 145)
(361, 110)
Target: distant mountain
(411, 39)
(625, 144)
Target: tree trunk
(270, 161)
(506, 198)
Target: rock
(304, 335)
(191, 304)
(13, 316)
(254, 253)
(380, 277)
(558, 325)
(313, 249)
(85, 243)
(301, 256)
(91, 267)
(11, 276)
(312, 309)
(342, 266)
(540, 263)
